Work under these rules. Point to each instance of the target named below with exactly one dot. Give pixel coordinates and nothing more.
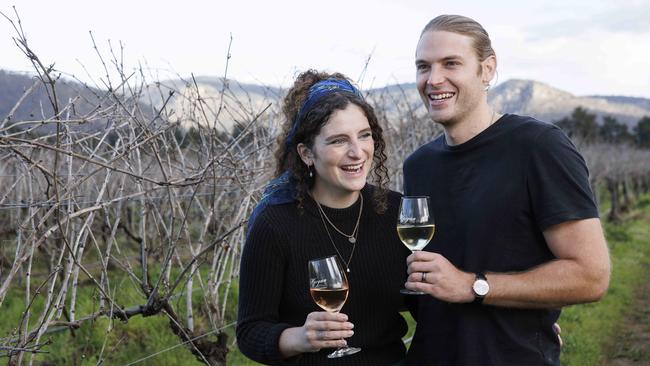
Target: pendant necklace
(351, 238)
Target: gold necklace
(352, 238)
(354, 243)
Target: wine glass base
(344, 352)
(405, 291)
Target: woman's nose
(355, 149)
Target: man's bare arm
(579, 274)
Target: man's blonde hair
(467, 27)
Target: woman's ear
(305, 154)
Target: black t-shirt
(492, 197)
(274, 284)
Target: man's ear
(305, 154)
(488, 69)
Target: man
(517, 229)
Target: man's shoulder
(528, 122)
(425, 151)
(528, 129)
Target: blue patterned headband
(316, 93)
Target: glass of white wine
(415, 226)
(329, 289)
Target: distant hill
(398, 101)
(551, 104)
(36, 105)
(242, 102)
(641, 102)
(238, 105)
(217, 83)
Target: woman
(321, 205)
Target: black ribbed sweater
(274, 289)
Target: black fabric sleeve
(558, 181)
(260, 283)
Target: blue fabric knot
(278, 191)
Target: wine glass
(329, 289)
(415, 226)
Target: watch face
(481, 287)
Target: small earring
(487, 87)
(311, 174)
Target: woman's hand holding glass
(329, 288)
(321, 329)
(325, 330)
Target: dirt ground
(632, 348)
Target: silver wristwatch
(480, 287)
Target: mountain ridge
(551, 104)
(526, 97)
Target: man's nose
(436, 76)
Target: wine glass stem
(343, 351)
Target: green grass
(589, 329)
(127, 341)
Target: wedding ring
(424, 277)
(319, 334)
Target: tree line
(583, 125)
(617, 156)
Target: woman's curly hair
(309, 126)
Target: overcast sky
(581, 46)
